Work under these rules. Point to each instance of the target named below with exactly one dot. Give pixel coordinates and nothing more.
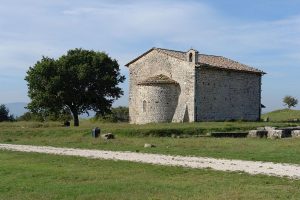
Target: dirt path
(251, 167)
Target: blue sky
(264, 34)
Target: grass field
(282, 115)
(38, 176)
(166, 129)
(285, 150)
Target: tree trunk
(75, 116)
(76, 119)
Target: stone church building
(176, 86)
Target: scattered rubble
(149, 145)
(108, 136)
(274, 132)
(258, 133)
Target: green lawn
(39, 176)
(284, 150)
(126, 129)
(282, 115)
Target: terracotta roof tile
(213, 61)
(177, 54)
(159, 79)
(225, 63)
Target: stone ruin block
(296, 134)
(288, 131)
(258, 133)
(260, 128)
(269, 128)
(275, 134)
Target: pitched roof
(159, 79)
(177, 54)
(225, 63)
(206, 60)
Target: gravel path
(251, 167)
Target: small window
(190, 57)
(144, 106)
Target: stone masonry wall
(156, 63)
(159, 102)
(227, 95)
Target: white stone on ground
(251, 167)
(296, 133)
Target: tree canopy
(4, 114)
(290, 101)
(41, 117)
(118, 114)
(79, 81)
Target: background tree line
(118, 114)
(4, 114)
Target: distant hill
(17, 108)
(282, 115)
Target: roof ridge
(206, 59)
(169, 49)
(173, 53)
(210, 55)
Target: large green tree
(79, 81)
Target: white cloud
(30, 29)
(127, 26)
